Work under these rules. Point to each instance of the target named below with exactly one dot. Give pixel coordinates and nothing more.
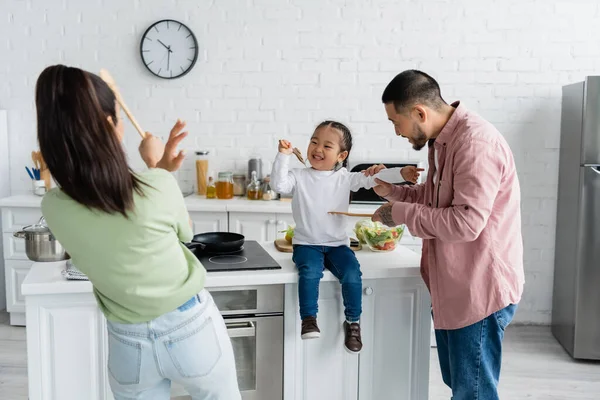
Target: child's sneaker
(353, 341)
(310, 329)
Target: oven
(254, 319)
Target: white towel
(73, 274)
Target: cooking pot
(216, 242)
(40, 244)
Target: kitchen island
(67, 350)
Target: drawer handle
(241, 329)
(271, 222)
(368, 291)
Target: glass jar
(267, 192)
(211, 190)
(201, 171)
(225, 186)
(239, 184)
(254, 191)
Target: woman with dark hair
(124, 231)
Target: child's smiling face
(324, 150)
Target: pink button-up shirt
(470, 222)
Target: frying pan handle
(195, 245)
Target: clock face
(169, 49)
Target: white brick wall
(275, 68)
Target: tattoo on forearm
(386, 216)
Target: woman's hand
(410, 173)
(285, 147)
(172, 158)
(372, 170)
(152, 150)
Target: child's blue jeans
(342, 262)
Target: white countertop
(197, 203)
(46, 278)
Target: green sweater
(138, 266)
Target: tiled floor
(535, 367)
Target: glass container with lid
(254, 191)
(225, 185)
(202, 171)
(239, 184)
(267, 192)
(211, 190)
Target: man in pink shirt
(468, 214)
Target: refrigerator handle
(595, 168)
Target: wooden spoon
(298, 155)
(106, 77)
(349, 214)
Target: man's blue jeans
(470, 357)
(341, 261)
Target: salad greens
(378, 236)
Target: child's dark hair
(346, 143)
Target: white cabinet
(263, 227)
(16, 263)
(209, 222)
(254, 226)
(16, 271)
(394, 362)
(395, 331)
(66, 348)
(333, 372)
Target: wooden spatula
(350, 214)
(106, 77)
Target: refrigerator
(576, 294)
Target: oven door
(258, 350)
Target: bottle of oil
(254, 191)
(211, 190)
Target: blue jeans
(189, 345)
(342, 262)
(470, 357)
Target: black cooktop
(251, 257)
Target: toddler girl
(320, 240)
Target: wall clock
(169, 49)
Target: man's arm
(478, 170)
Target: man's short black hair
(413, 87)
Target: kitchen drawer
(14, 219)
(14, 248)
(16, 271)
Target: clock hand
(165, 46)
(168, 60)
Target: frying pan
(216, 242)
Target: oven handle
(241, 329)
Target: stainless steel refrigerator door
(567, 217)
(590, 146)
(587, 317)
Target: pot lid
(37, 228)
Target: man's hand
(384, 215)
(172, 158)
(410, 173)
(383, 189)
(151, 150)
(285, 147)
